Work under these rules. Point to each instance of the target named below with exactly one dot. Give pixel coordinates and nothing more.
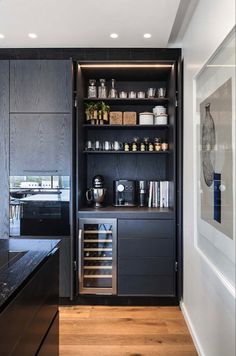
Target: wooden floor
(124, 331)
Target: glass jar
(113, 91)
(126, 147)
(157, 144)
(150, 147)
(146, 139)
(92, 89)
(134, 145)
(102, 89)
(142, 146)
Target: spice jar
(150, 147)
(157, 144)
(164, 146)
(126, 147)
(142, 147)
(134, 146)
(146, 139)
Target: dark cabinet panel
(146, 285)
(146, 257)
(145, 247)
(4, 148)
(146, 266)
(146, 228)
(40, 144)
(40, 86)
(26, 320)
(65, 268)
(50, 344)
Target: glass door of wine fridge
(97, 256)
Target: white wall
(208, 305)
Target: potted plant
(91, 112)
(103, 111)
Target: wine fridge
(97, 256)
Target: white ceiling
(86, 23)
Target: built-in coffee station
(105, 170)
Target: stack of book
(159, 195)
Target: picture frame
(215, 160)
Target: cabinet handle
(80, 256)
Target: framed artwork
(215, 138)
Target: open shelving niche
(115, 165)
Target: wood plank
(108, 350)
(115, 326)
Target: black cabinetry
(40, 86)
(40, 117)
(146, 257)
(146, 237)
(4, 148)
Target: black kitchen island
(29, 289)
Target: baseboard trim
(192, 330)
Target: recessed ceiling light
(147, 35)
(32, 35)
(114, 35)
(2, 36)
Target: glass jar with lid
(102, 89)
(157, 144)
(113, 91)
(92, 89)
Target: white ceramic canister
(146, 118)
(161, 119)
(159, 109)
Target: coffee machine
(124, 192)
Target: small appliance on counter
(124, 192)
(142, 193)
(96, 194)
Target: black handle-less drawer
(145, 228)
(145, 247)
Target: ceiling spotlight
(32, 35)
(1, 36)
(114, 35)
(147, 35)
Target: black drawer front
(146, 285)
(146, 228)
(137, 247)
(146, 266)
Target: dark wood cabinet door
(146, 257)
(40, 144)
(40, 86)
(4, 148)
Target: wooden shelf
(135, 101)
(124, 127)
(129, 152)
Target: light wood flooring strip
(124, 331)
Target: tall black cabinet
(148, 239)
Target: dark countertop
(127, 212)
(19, 258)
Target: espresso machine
(124, 192)
(96, 194)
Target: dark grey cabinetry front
(4, 148)
(40, 143)
(40, 86)
(146, 257)
(40, 117)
